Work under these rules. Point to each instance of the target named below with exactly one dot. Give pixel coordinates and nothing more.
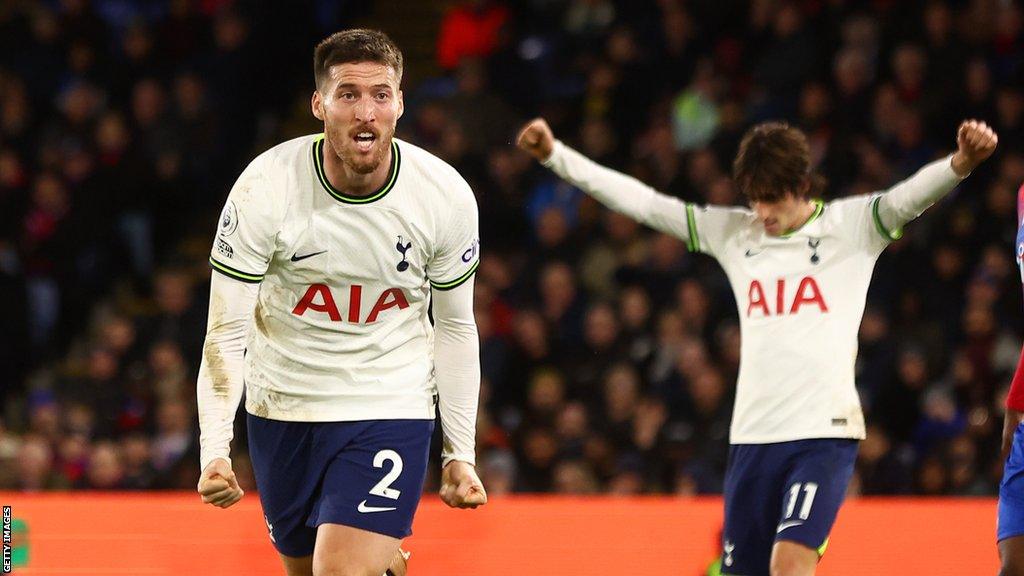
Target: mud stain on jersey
(261, 409)
(260, 319)
(212, 354)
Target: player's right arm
(241, 252)
(615, 190)
(220, 385)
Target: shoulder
(733, 214)
(854, 201)
(265, 180)
(285, 155)
(434, 172)
(851, 206)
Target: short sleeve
(710, 227)
(457, 255)
(244, 243)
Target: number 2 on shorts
(383, 488)
(810, 489)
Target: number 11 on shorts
(809, 490)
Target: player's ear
(317, 104)
(401, 104)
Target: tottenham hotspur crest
(813, 243)
(402, 248)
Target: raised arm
(907, 200)
(615, 190)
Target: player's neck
(807, 209)
(342, 177)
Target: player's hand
(536, 139)
(461, 487)
(1010, 422)
(218, 485)
(975, 142)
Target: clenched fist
(536, 139)
(975, 141)
(461, 487)
(218, 485)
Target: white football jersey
(800, 299)
(340, 330)
(800, 296)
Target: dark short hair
(774, 160)
(356, 45)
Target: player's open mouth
(364, 141)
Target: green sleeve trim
(693, 238)
(822, 548)
(236, 274)
(458, 281)
(886, 233)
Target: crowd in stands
(609, 353)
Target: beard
(347, 150)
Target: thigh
(360, 551)
(814, 489)
(1010, 521)
(287, 473)
(298, 566)
(752, 495)
(375, 483)
(793, 559)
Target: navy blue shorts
(784, 491)
(1011, 491)
(367, 474)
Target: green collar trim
(321, 174)
(819, 207)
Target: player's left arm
(457, 346)
(976, 141)
(457, 372)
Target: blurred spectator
(104, 471)
(174, 435)
(881, 467)
(469, 29)
(35, 467)
(609, 352)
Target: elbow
(456, 330)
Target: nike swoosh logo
(296, 257)
(363, 508)
(749, 253)
(788, 524)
